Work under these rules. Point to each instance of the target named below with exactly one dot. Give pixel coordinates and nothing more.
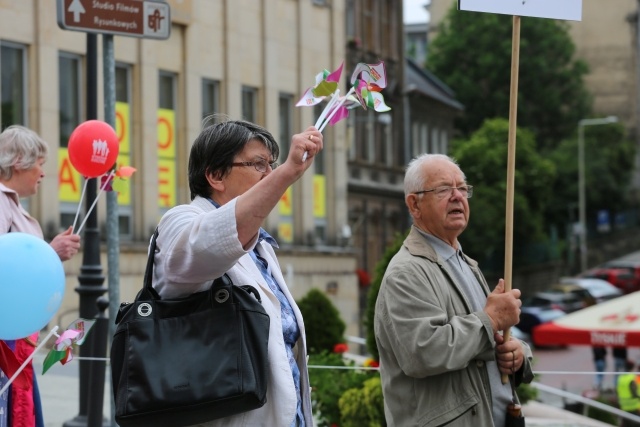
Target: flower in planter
(371, 363)
(340, 348)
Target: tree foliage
(323, 324)
(609, 161)
(472, 54)
(483, 159)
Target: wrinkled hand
(509, 355)
(66, 244)
(310, 142)
(503, 308)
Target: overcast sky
(414, 11)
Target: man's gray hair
(20, 147)
(414, 179)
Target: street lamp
(581, 183)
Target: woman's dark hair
(216, 147)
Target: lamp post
(582, 204)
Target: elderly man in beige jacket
(437, 323)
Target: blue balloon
(31, 284)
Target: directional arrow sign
(134, 18)
(77, 9)
(554, 9)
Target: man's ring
(310, 137)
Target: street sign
(133, 18)
(554, 9)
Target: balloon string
(84, 190)
(26, 362)
(93, 205)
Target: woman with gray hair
(22, 154)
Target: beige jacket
(433, 348)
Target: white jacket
(197, 243)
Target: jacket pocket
(450, 410)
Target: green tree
(483, 158)
(609, 159)
(472, 55)
(323, 325)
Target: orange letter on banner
(68, 179)
(166, 183)
(284, 207)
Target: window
(319, 189)
(70, 102)
(285, 206)
(69, 74)
(125, 157)
(285, 104)
(167, 174)
(210, 97)
(435, 143)
(13, 89)
(249, 103)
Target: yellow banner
(166, 133)
(69, 180)
(285, 232)
(123, 126)
(285, 207)
(123, 185)
(319, 196)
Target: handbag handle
(147, 291)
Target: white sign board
(554, 9)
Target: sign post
(133, 18)
(552, 9)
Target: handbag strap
(147, 291)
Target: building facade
(241, 58)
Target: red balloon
(93, 148)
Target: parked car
(563, 301)
(621, 278)
(632, 268)
(574, 289)
(599, 289)
(532, 316)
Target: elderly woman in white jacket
(233, 188)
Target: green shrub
(363, 407)
(328, 385)
(323, 326)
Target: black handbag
(177, 362)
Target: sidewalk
(540, 414)
(59, 390)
